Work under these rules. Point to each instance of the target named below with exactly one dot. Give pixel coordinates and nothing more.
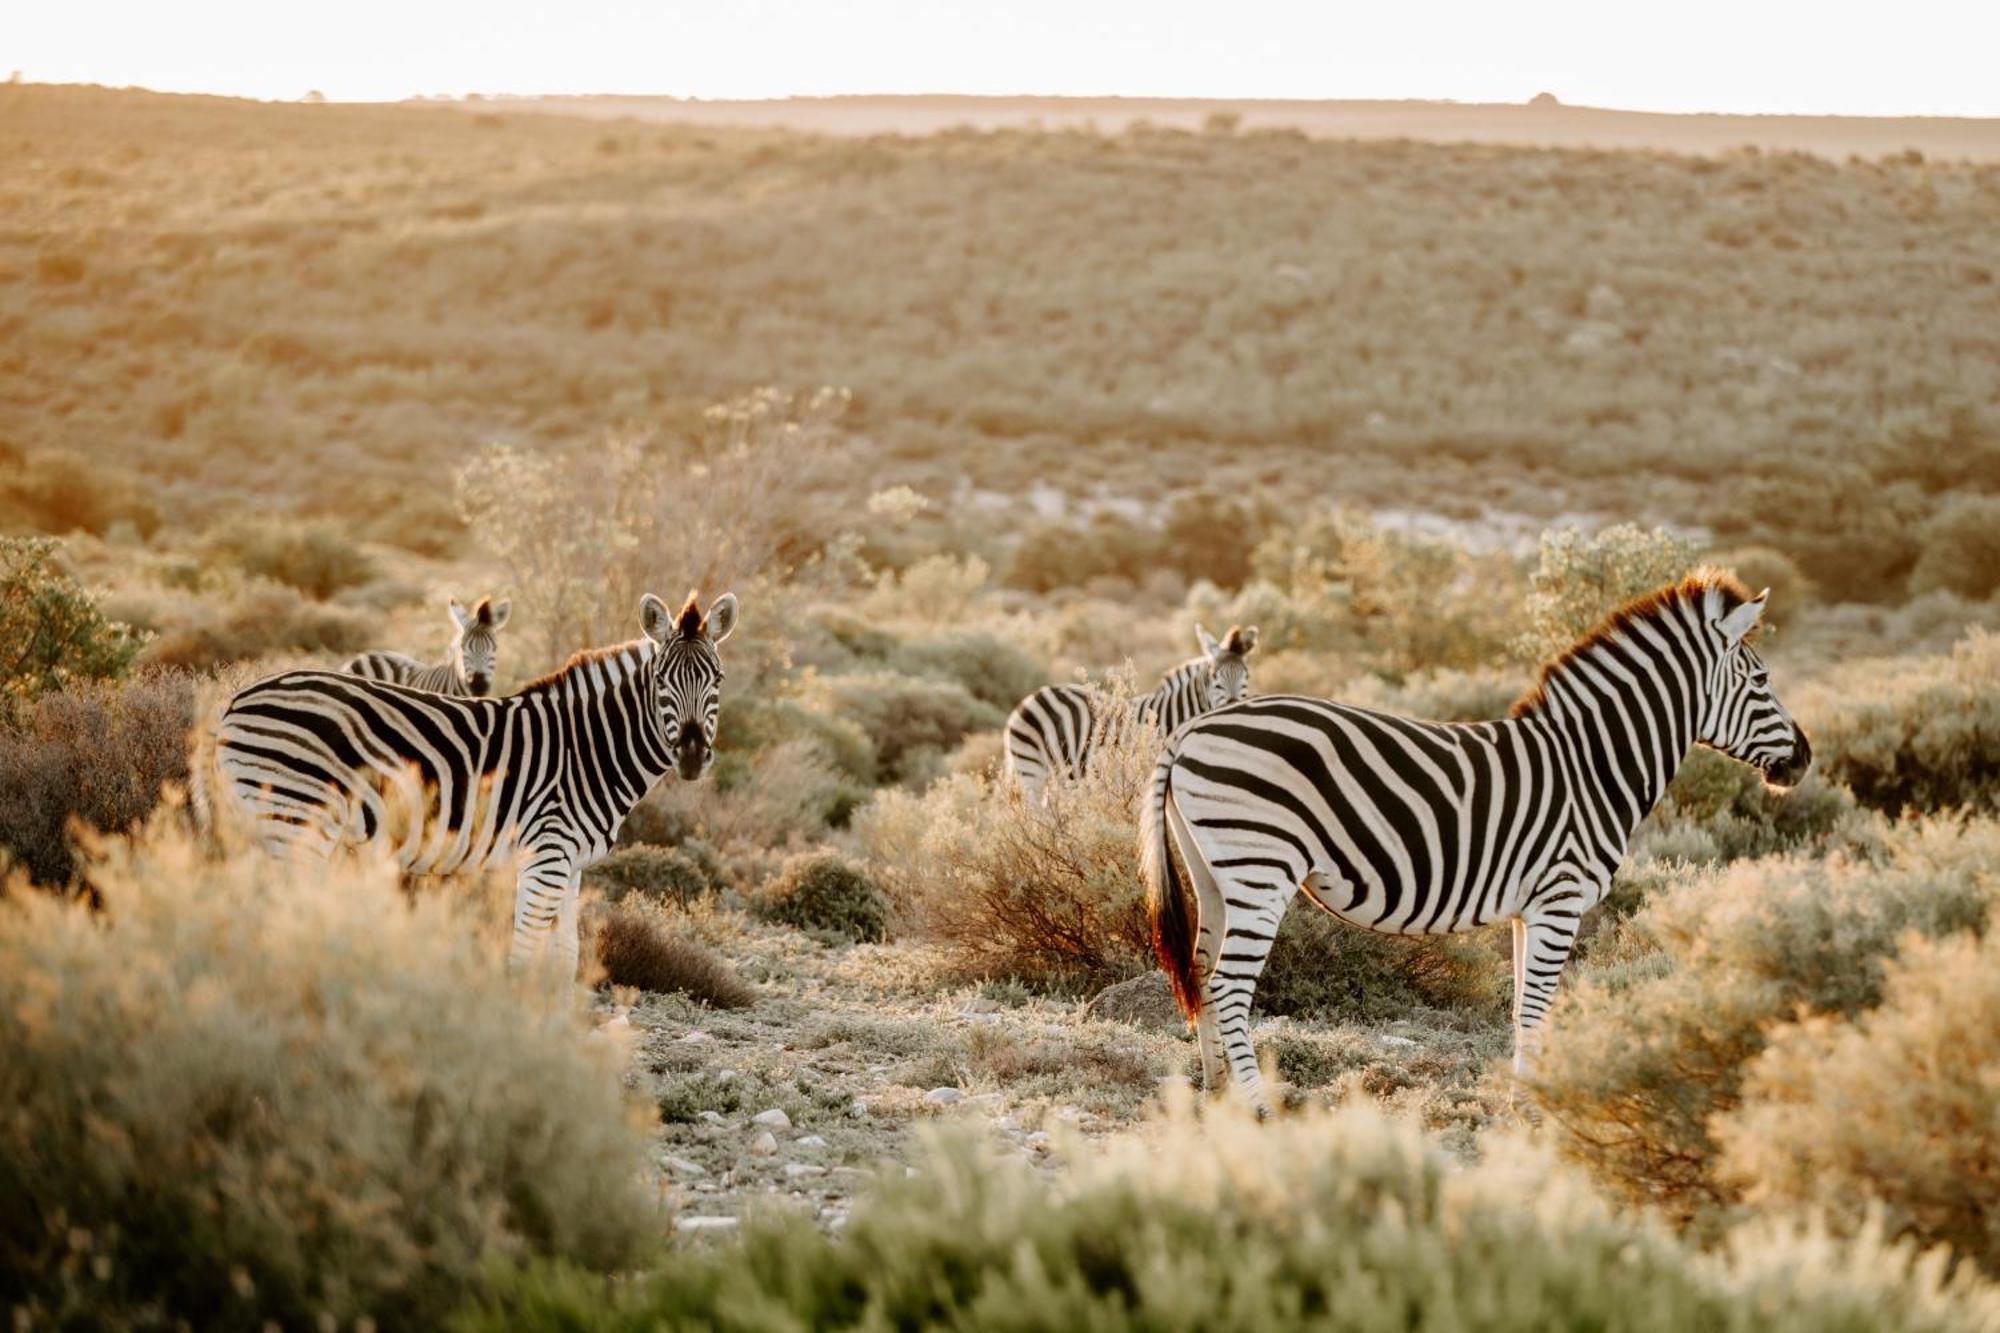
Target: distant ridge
(1556, 126)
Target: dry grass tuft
(637, 948)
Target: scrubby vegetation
(242, 1096)
(1422, 413)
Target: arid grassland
(863, 1040)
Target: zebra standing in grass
(1055, 729)
(541, 779)
(467, 669)
(1411, 827)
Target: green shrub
(637, 947)
(247, 1095)
(1579, 579)
(1345, 1221)
(312, 557)
(991, 669)
(824, 891)
(96, 752)
(52, 629)
(1961, 548)
(1913, 732)
(1327, 970)
(58, 491)
(679, 875)
(1644, 1053)
(913, 721)
(1900, 1108)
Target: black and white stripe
(541, 779)
(1055, 729)
(467, 669)
(1409, 827)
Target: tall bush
(51, 632)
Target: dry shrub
(98, 752)
(1049, 896)
(247, 1094)
(1900, 1108)
(261, 620)
(312, 557)
(784, 794)
(1914, 732)
(636, 947)
(1323, 968)
(1345, 1220)
(1648, 1048)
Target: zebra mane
(622, 657)
(1645, 607)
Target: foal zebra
(1408, 827)
(541, 779)
(467, 668)
(1055, 729)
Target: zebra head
(1228, 672)
(1739, 715)
(687, 675)
(474, 649)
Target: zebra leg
(1250, 909)
(1542, 943)
(567, 941)
(538, 902)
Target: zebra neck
(1182, 695)
(620, 751)
(1626, 720)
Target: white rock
(944, 1097)
(713, 1117)
(706, 1224)
(685, 1167)
(1038, 1139)
(726, 1076)
(796, 1170)
(810, 1141)
(764, 1145)
(691, 1039)
(859, 1109)
(1390, 1039)
(775, 1118)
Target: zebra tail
(1167, 889)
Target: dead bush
(636, 947)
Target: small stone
(775, 1118)
(944, 1097)
(706, 1224)
(1147, 1002)
(685, 1167)
(694, 1038)
(858, 1109)
(1039, 1140)
(798, 1170)
(726, 1076)
(810, 1141)
(713, 1117)
(764, 1145)
(1390, 1039)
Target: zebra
(467, 668)
(1055, 729)
(541, 779)
(1408, 827)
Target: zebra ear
(1743, 619)
(459, 616)
(721, 618)
(501, 610)
(1207, 641)
(1242, 640)
(655, 618)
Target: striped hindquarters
(322, 759)
(1051, 733)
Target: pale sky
(1914, 57)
